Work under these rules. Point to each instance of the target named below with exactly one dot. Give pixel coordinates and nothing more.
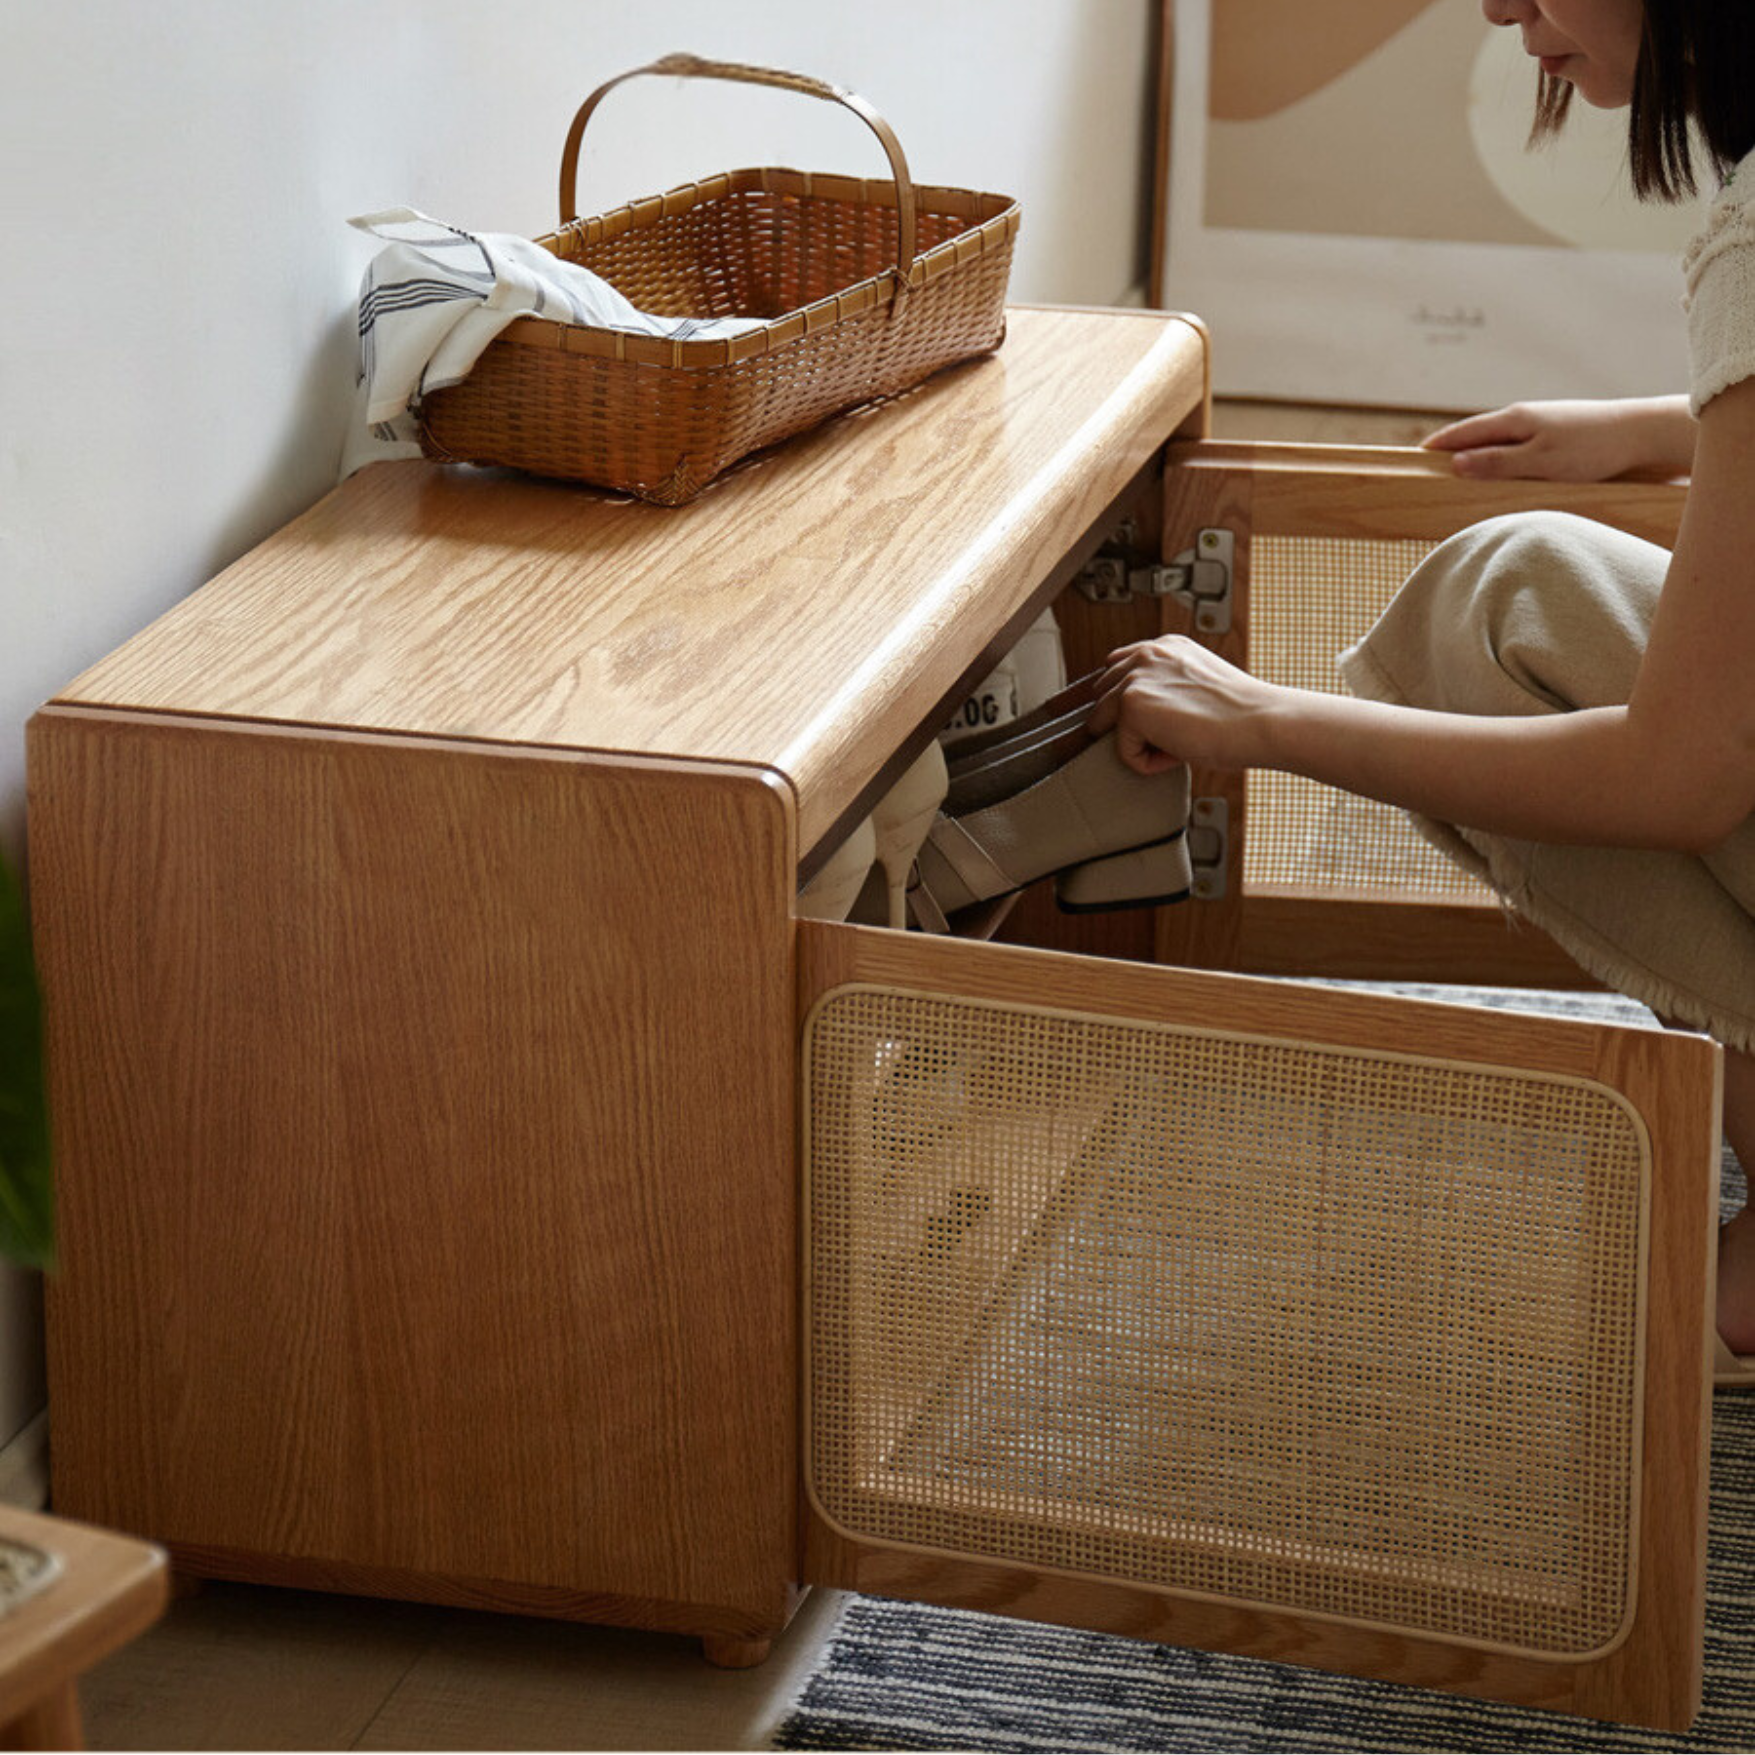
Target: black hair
(1696, 65)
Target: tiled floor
(240, 1668)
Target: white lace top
(1718, 274)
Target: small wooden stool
(105, 1590)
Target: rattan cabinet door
(1353, 1331)
(1313, 881)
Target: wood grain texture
(1389, 937)
(1303, 424)
(806, 614)
(735, 1654)
(426, 1154)
(110, 1589)
(1393, 491)
(1653, 1676)
(498, 1596)
(52, 1723)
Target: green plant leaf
(27, 1210)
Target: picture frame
(1346, 197)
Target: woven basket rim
(645, 210)
(976, 238)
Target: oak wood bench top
(805, 614)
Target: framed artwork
(1346, 197)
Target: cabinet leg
(725, 1653)
(53, 1723)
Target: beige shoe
(1111, 838)
(1074, 701)
(830, 895)
(1008, 769)
(901, 819)
(1039, 661)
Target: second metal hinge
(1209, 848)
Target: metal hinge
(1203, 579)
(1199, 577)
(1209, 847)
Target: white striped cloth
(436, 295)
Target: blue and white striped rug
(906, 1676)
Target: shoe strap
(979, 871)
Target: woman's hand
(1572, 441)
(1172, 700)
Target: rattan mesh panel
(1310, 598)
(1350, 1334)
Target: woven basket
(866, 287)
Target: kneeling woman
(1567, 710)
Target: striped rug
(906, 1676)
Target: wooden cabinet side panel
(426, 1154)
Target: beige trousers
(1542, 613)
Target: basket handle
(693, 67)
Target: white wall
(175, 351)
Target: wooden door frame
(1653, 1675)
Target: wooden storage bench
(477, 1187)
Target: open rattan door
(1318, 882)
(1352, 1331)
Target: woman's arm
(1673, 768)
(1572, 441)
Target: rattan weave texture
(1352, 1334)
(1311, 598)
